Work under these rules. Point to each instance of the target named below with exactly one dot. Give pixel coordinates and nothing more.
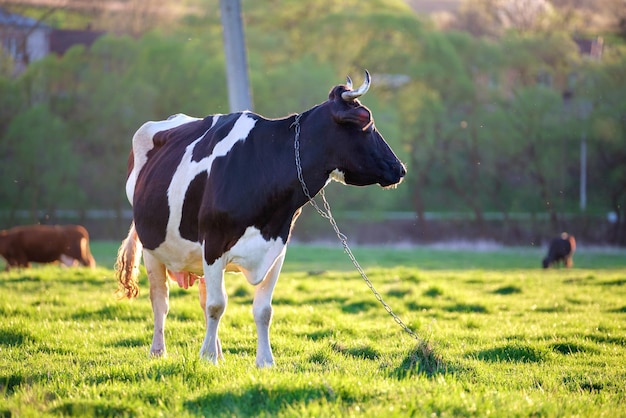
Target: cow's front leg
(202, 296)
(262, 312)
(215, 305)
(159, 296)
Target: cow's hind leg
(159, 296)
(215, 305)
(202, 296)
(262, 312)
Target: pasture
(508, 339)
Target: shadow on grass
(414, 306)
(100, 408)
(399, 293)
(324, 300)
(362, 306)
(260, 400)
(120, 311)
(13, 337)
(321, 334)
(513, 353)
(467, 308)
(9, 383)
(507, 290)
(583, 383)
(129, 342)
(567, 348)
(610, 339)
(617, 282)
(364, 352)
(578, 280)
(22, 279)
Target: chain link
(326, 213)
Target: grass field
(507, 339)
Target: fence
(519, 228)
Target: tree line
(484, 124)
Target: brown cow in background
(22, 245)
(561, 249)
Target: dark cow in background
(561, 249)
(223, 192)
(68, 244)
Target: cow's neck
(312, 156)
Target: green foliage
(35, 147)
(287, 82)
(499, 336)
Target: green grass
(500, 337)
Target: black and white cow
(223, 193)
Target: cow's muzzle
(393, 175)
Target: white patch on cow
(142, 144)
(253, 255)
(177, 253)
(180, 255)
(338, 176)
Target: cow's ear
(335, 93)
(361, 116)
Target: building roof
(15, 20)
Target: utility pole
(235, 52)
(583, 172)
(585, 108)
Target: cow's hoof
(211, 358)
(158, 352)
(261, 364)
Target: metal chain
(326, 213)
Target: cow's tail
(127, 264)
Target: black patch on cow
(191, 207)
(222, 128)
(247, 188)
(150, 198)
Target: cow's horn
(348, 82)
(350, 95)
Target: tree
(40, 172)
(541, 150)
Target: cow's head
(360, 155)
